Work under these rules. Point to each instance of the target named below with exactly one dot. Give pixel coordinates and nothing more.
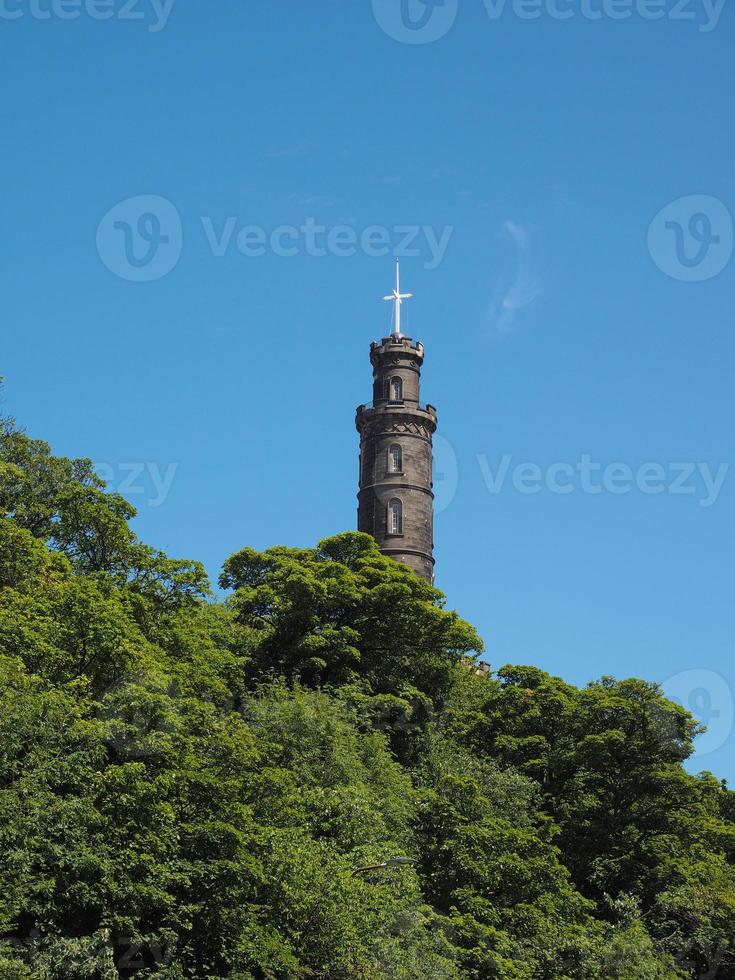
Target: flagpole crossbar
(397, 297)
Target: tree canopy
(202, 787)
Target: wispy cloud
(294, 150)
(389, 179)
(310, 200)
(518, 286)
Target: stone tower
(395, 501)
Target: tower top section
(397, 297)
(394, 348)
(396, 432)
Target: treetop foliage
(196, 787)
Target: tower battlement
(395, 344)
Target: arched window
(395, 516)
(396, 390)
(395, 459)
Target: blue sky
(561, 189)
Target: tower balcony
(388, 405)
(384, 414)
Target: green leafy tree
(201, 790)
(608, 761)
(342, 613)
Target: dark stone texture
(407, 424)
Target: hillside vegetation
(195, 788)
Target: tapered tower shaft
(395, 500)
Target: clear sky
(206, 342)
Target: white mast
(397, 297)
